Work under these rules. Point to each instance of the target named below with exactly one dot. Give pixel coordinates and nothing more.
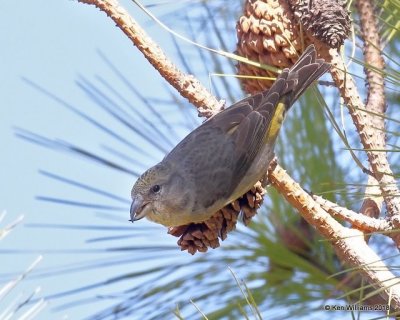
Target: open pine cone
(201, 236)
(267, 34)
(274, 33)
(327, 20)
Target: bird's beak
(137, 207)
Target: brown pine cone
(327, 20)
(266, 34)
(201, 236)
(275, 32)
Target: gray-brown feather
(196, 166)
(231, 140)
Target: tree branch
(376, 100)
(187, 85)
(361, 118)
(359, 221)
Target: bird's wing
(217, 155)
(256, 120)
(246, 122)
(205, 158)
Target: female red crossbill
(225, 156)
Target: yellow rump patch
(276, 122)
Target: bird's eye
(156, 188)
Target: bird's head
(159, 194)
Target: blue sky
(54, 44)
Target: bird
(225, 156)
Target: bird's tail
(291, 83)
(302, 74)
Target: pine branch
(360, 115)
(360, 221)
(376, 100)
(187, 85)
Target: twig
(187, 85)
(359, 221)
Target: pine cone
(327, 20)
(269, 32)
(266, 34)
(201, 236)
